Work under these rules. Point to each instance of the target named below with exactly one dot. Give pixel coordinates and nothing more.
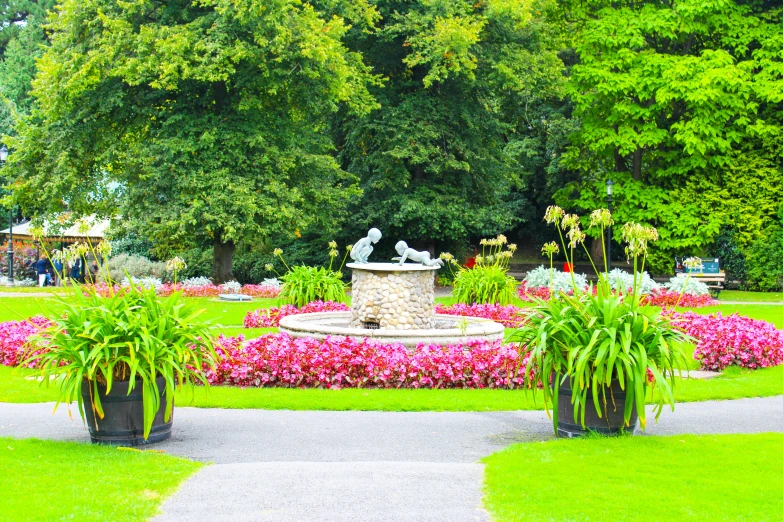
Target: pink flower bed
(663, 297)
(529, 293)
(731, 340)
(340, 362)
(270, 317)
(13, 338)
(509, 316)
(215, 290)
(201, 291)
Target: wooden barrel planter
(610, 422)
(123, 420)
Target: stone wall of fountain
(392, 296)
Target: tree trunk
(637, 164)
(222, 260)
(597, 253)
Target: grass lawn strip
(683, 477)
(44, 480)
(751, 297)
(734, 384)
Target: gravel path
(357, 466)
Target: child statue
(363, 248)
(414, 255)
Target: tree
(444, 158)
(15, 15)
(194, 119)
(17, 68)
(668, 93)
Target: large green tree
(196, 119)
(670, 94)
(445, 158)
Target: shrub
(687, 285)
(765, 270)
(620, 280)
(195, 281)
(488, 281)
(343, 362)
(732, 258)
(124, 265)
(143, 282)
(543, 277)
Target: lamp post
(609, 185)
(10, 282)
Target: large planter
(123, 420)
(610, 422)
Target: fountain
(392, 303)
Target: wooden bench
(713, 281)
(708, 273)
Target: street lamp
(609, 185)
(10, 282)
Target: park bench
(708, 272)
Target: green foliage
(484, 284)
(764, 263)
(205, 121)
(131, 335)
(124, 265)
(732, 258)
(305, 284)
(488, 281)
(594, 340)
(672, 98)
(597, 340)
(17, 69)
(441, 161)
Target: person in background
(43, 266)
(76, 270)
(58, 273)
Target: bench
(708, 273)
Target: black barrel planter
(123, 420)
(611, 421)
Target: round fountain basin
(448, 329)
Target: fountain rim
(391, 267)
(477, 328)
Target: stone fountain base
(448, 329)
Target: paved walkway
(357, 466)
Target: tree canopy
(227, 122)
(196, 119)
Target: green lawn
(734, 384)
(44, 480)
(771, 313)
(753, 297)
(684, 477)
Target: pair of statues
(364, 247)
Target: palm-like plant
(596, 339)
(130, 335)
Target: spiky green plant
(596, 338)
(305, 284)
(129, 335)
(485, 285)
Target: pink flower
(270, 318)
